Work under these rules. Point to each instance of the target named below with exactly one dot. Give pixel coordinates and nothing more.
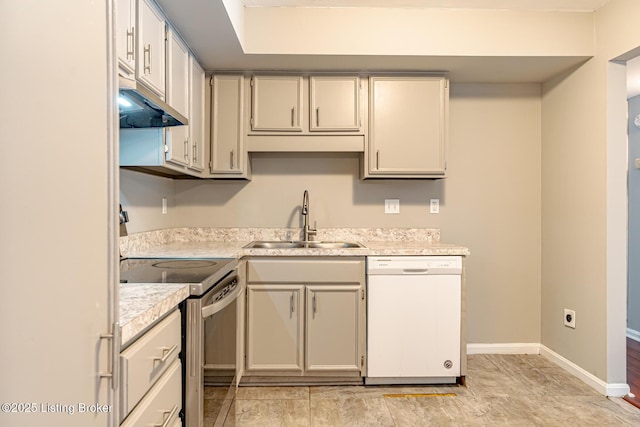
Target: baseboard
(634, 335)
(504, 348)
(612, 390)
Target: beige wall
(584, 202)
(490, 202)
(141, 196)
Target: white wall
(490, 202)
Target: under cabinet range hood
(141, 108)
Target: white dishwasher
(414, 319)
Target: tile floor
(501, 390)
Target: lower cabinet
(305, 317)
(151, 376)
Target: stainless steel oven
(209, 314)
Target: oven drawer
(162, 405)
(144, 362)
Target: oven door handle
(217, 306)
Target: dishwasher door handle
(415, 270)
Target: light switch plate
(637, 162)
(434, 206)
(392, 206)
(164, 205)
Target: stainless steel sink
(333, 245)
(261, 244)
(275, 245)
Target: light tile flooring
(501, 390)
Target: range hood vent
(141, 108)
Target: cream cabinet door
(177, 95)
(125, 35)
(229, 156)
(177, 90)
(150, 47)
(333, 328)
(196, 115)
(334, 103)
(276, 103)
(274, 328)
(407, 126)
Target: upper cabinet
(334, 103)
(297, 113)
(229, 157)
(408, 127)
(177, 95)
(150, 46)
(125, 36)
(168, 68)
(276, 103)
(196, 115)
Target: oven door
(212, 347)
(223, 350)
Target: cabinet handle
(293, 111)
(130, 39)
(377, 159)
(317, 116)
(195, 152)
(291, 308)
(231, 159)
(114, 337)
(147, 59)
(166, 353)
(314, 305)
(171, 413)
(186, 149)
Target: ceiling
(207, 28)
(568, 5)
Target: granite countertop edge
(142, 305)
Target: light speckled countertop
(141, 305)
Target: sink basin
(333, 245)
(302, 245)
(275, 245)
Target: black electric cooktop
(200, 274)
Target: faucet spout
(306, 230)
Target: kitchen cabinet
(196, 115)
(150, 46)
(334, 103)
(302, 113)
(125, 36)
(332, 316)
(177, 95)
(305, 317)
(276, 103)
(151, 378)
(408, 127)
(274, 327)
(229, 157)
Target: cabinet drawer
(162, 405)
(144, 362)
(305, 270)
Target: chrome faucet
(307, 231)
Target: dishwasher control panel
(417, 265)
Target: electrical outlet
(569, 318)
(392, 206)
(434, 206)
